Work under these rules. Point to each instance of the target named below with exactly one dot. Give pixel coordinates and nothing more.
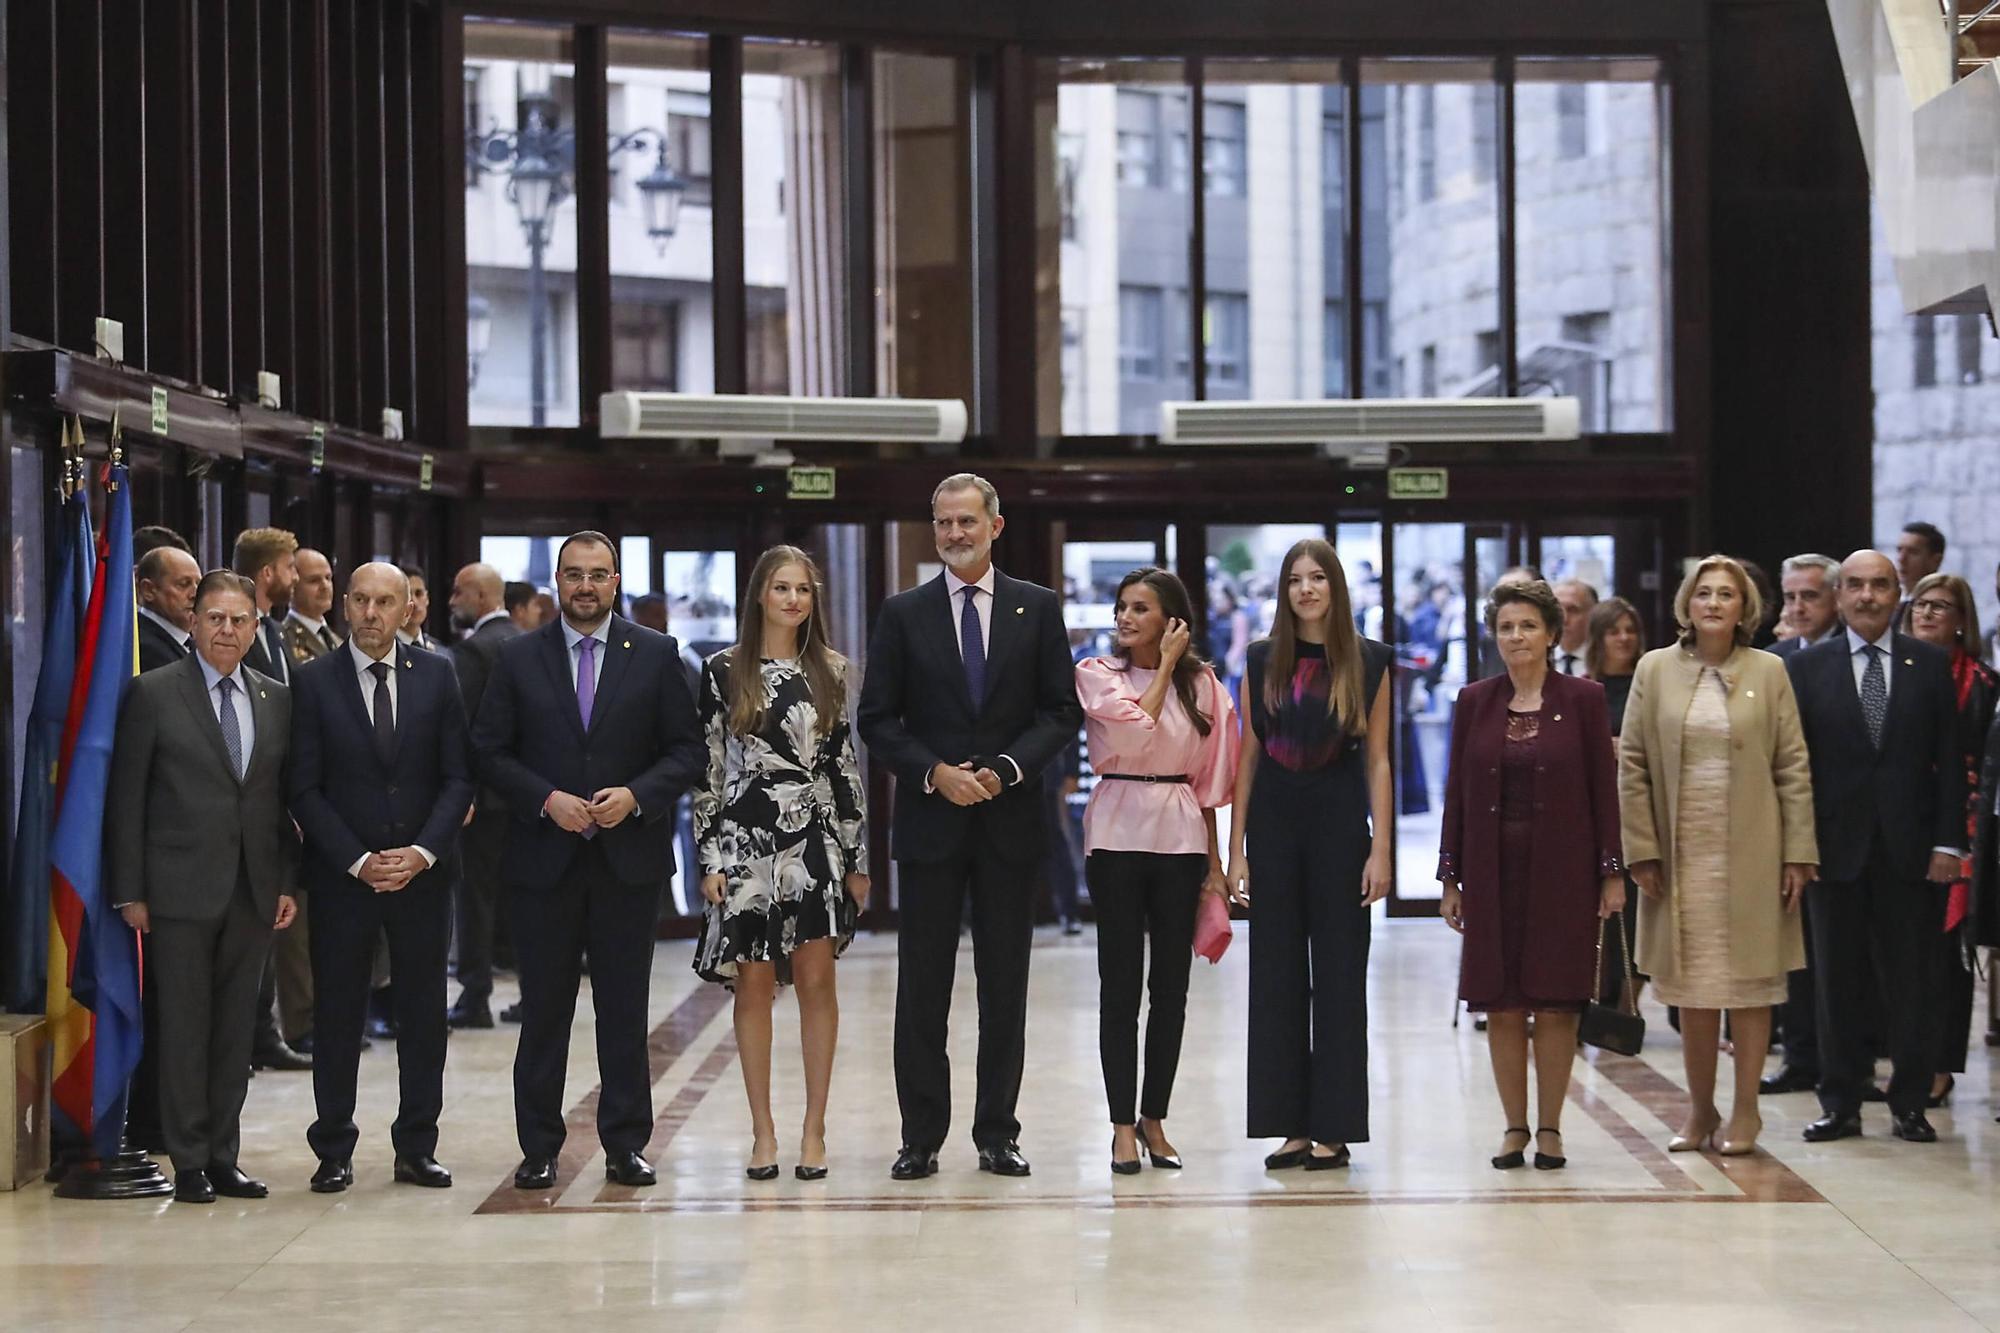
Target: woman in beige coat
(1715, 792)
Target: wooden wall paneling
(344, 189)
(31, 166)
(280, 274)
(125, 166)
(172, 198)
(371, 209)
(857, 197)
(311, 213)
(592, 310)
(243, 102)
(216, 273)
(441, 225)
(725, 122)
(408, 367)
(1016, 316)
(79, 167)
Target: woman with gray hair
(1716, 791)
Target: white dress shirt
(982, 605)
(246, 718)
(180, 636)
(362, 661)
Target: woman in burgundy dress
(1529, 858)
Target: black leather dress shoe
(470, 1014)
(423, 1171)
(1912, 1126)
(193, 1187)
(230, 1182)
(277, 1055)
(512, 1013)
(629, 1168)
(535, 1173)
(1830, 1127)
(1874, 1093)
(332, 1176)
(1004, 1160)
(1789, 1078)
(913, 1164)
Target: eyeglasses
(596, 578)
(1930, 606)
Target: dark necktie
(274, 648)
(1569, 664)
(1874, 695)
(326, 637)
(385, 713)
(232, 731)
(973, 641)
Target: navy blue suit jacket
(529, 742)
(348, 801)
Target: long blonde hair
(824, 668)
(1343, 641)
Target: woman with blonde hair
(781, 827)
(1313, 775)
(1943, 612)
(1716, 793)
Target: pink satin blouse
(1145, 816)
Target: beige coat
(1770, 805)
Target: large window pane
(1590, 238)
(923, 227)
(794, 236)
(662, 219)
(1430, 280)
(520, 224)
(1118, 154)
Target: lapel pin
(407, 664)
(1559, 717)
(262, 695)
(1020, 610)
(628, 643)
(1909, 661)
(1749, 694)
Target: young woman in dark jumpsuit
(1313, 775)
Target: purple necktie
(586, 678)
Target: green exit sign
(1419, 483)
(809, 483)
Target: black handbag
(1617, 1028)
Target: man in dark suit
(268, 557)
(476, 610)
(416, 622)
(1880, 717)
(380, 781)
(306, 631)
(589, 733)
(202, 857)
(1810, 585)
(165, 579)
(970, 694)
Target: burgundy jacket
(1576, 838)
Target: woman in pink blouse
(1162, 741)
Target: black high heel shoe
(1937, 1099)
(1161, 1160)
(1508, 1161)
(761, 1172)
(1548, 1161)
(1332, 1161)
(804, 1172)
(1119, 1168)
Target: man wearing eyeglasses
(203, 856)
(588, 730)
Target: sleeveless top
(1301, 735)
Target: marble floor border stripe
(1100, 1203)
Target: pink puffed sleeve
(1214, 778)
(1106, 695)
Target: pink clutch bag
(1212, 931)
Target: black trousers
(1309, 936)
(1887, 926)
(1800, 1016)
(142, 1099)
(1139, 895)
(589, 909)
(208, 974)
(1953, 991)
(933, 896)
(346, 926)
(479, 900)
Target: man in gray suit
(478, 609)
(203, 856)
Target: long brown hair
(1604, 618)
(1343, 641)
(823, 667)
(1174, 604)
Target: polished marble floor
(1419, 1233)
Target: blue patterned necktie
(973, 641)
(1874, 695)
(232, 731)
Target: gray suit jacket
(179, 821)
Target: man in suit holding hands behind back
(970, 693)
(381, 779)
(588, 730)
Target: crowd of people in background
(1805, 832)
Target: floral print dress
(783, 816)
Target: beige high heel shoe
(1735, 1147)
(1702, 1135)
